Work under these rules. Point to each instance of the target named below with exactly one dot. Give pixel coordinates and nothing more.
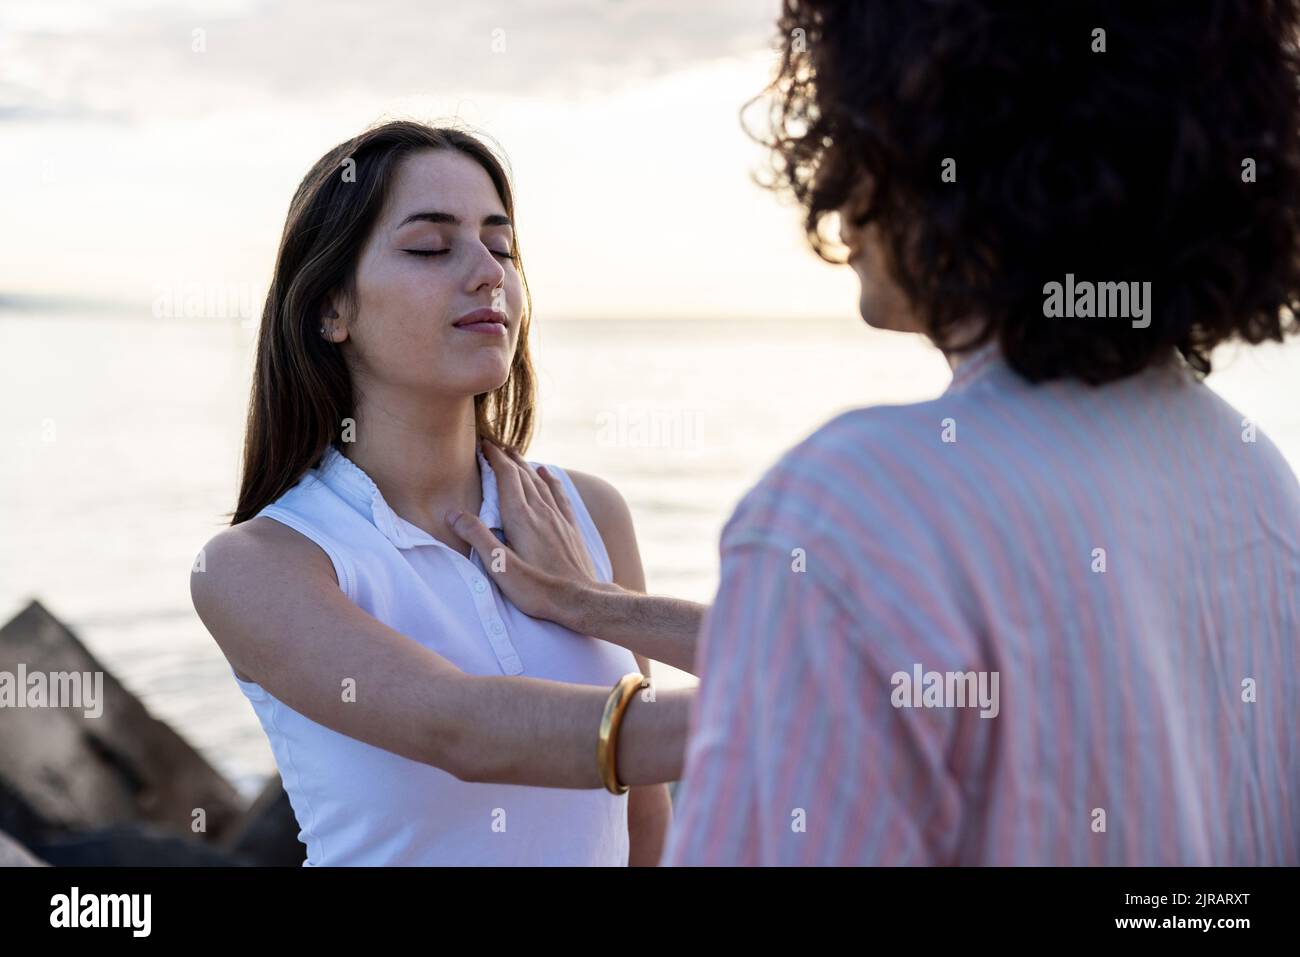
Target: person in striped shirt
(1051, 616)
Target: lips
(481, 316)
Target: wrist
(584, 606)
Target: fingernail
(452, 516)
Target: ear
(331, 319)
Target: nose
(852, 209)
(486, 271)
(850, 235)
(846, 229)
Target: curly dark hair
(1123, 165)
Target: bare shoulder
(253, 546)
(613, 518)
(253, 561)
(605, 503)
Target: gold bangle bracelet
(607, 741)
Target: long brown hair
(302, 390)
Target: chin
(877, 316)
(489, 380)
(883, 307)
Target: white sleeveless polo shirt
(357, 804)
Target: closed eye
(440, 252)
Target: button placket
(490, 619)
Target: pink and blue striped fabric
(1125, 559)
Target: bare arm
(270, 598)
(657, 626)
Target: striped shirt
(1016, 624)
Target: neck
(422, 455)
(964, 331)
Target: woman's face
(438, 254)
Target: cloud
(127, 60)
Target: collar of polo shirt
(351, 482)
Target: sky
(148, 151)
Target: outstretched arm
(657, 626)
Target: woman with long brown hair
(416, 715)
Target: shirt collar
(976, 365)
(350, 482)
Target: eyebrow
(496, 219)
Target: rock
(268, 833)
(62, 770)
(13, 854)
(132, 845)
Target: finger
(561, 497)
(509, 483)
(471, 529)
(546, 490)
(527, 478)
(531, 476)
